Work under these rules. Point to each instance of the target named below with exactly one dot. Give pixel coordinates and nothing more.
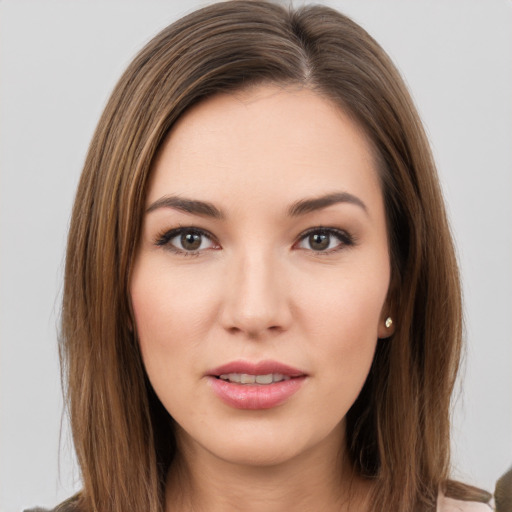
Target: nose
(256, 297)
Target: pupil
(319, 241)
(191, 241)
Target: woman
(251, 313)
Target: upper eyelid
(169, 234)
(331, 230)
(326, 229)
(208, 234)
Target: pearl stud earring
(389, 322)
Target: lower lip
(257, 396)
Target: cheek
(172, 317)
(168, 307)
(342, 319)
(348, 303)
(170, 320)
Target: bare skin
(260, 271)
(317, 481)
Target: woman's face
(259, 288)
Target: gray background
(59, 61)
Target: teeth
(245, 378)
(264, 379)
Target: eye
(325, 240)
(186, 241)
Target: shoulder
(60, 508)
(70, 505)
(445, 504)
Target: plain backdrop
(59, 60)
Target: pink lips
(255, 396)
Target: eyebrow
(193, 206)
(317, 203)
(301, 207)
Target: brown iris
(190, 241)
(319, 241)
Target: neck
(320, 480)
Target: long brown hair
(398, 429)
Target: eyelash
(346, 239)
(163, 239)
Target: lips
(263, 385)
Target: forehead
(265, 140)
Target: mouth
(263, 385)
(246, 378)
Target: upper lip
(259, 368)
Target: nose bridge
(256, 300)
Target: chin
(264, 444)
(254, 454)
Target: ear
(386, 324)
(387, 320)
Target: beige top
(445, 504)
